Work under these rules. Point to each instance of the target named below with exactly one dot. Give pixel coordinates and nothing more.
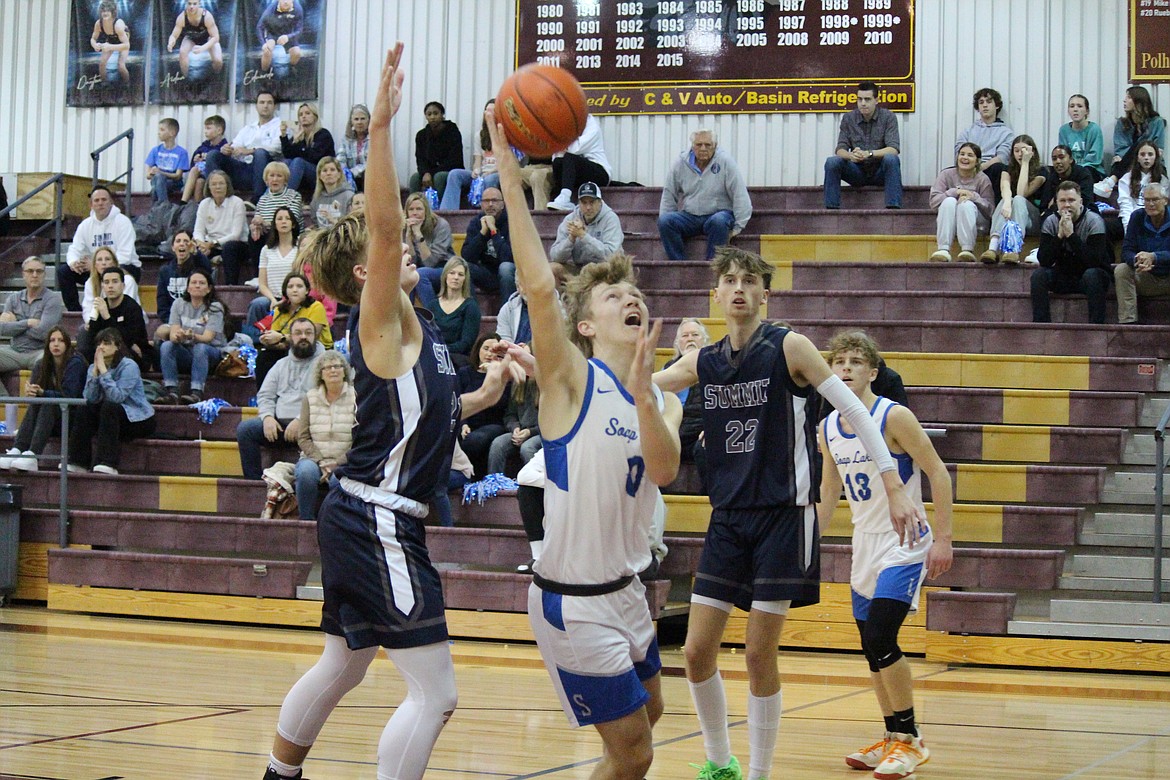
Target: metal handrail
(64, 403)
(96, 155)
(56, 222)
(1159, 474)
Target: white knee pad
(314, 696)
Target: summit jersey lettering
(863, 482)
(758, 425)
(404, 430)
(598, 505)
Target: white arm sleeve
(844, 400)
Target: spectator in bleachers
(276, 262)
(277, 195)
(690, 336)
(326, 429)
(166, 163)
(456, 311)
(117, 409)
(331, 196)
(429, 237)
(172, 278)
(355, 146)
(1148, 166)
(106, 225)
(194, 339)
(305, 146)
(1064, 169)
(1139, 123)
(246, 158)
(512, 323)
(221, 226)
(214, 128)
(296, 304)
(28, 317)
(111, 37)
(281, 24)
(583, 161)
(487, 248)
(1145, 254)
(303, 265)
(1072, 256)
(962, 197)
(478, 431)
(278, 401)
(704, 193)
(1019, 188)
(102, 259)
(438, 151)
(115, 310)
(483, 160)
(590, 233)
(521, 428)
(990, 133)
(1084, 137)
(58, 373)
(199, 33)
(867, 151)
(358, 202)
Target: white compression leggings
(409, 736)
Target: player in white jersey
(610, 438)
(886, 575)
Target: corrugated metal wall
(460, 50)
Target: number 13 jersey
(759, 428)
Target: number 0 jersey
(758, 426)
(598, 505)
(863, 481)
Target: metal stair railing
(96, 155)
(56, 222)
(1159, 477)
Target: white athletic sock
(282, 769)
(537, 548)
(763, 728)
(711, 707)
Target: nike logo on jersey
(602, 392)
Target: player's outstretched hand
(939, 558)
(389, 97)
(522, 358)
(507, 166)
(499, 373)
(642, 366)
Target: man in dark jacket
(487, 248)
(1072, 256)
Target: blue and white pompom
(248, 353)
(208, 409)
(489, 487)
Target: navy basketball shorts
(380, 585)
(761, 555)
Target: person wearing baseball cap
(590, 233)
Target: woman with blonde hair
(305, 147)
(456, 310)
(355, 147)
(429, 238)
(326, 429)
(103, 258)
(332, 195)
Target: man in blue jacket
(1146, 255)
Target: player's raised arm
(904, 430)
(805, 362)
(682, 374)
(559, 362)
(386, 331)
(658, 429)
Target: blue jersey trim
(556, 451)
(551, 606)
(602, 699)
(621, 388)
(841, 430)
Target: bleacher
(1047, 437)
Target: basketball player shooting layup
(610, 437)
(886, 575)
(380, 586)
(761, 554)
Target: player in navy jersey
(886, 575)
(381, 589)
(759, 386)
(610, 438)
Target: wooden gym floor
(89, 698)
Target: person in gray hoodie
(705, 194)
(278, 402)
(590, 233)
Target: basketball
(542, 109)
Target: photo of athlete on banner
(107, 45)
(279, 49)
(191, 52)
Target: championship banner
(1149, 40)
(278, 49)
(107, 52)
(191, 62)
(724, 56)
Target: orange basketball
(542, 109)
